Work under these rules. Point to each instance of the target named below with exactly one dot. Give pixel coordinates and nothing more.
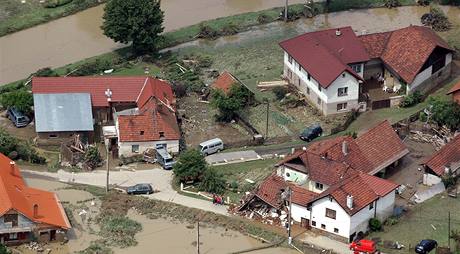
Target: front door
(305, 223)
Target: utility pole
(266, 126)
(107, 180)
(448, 229)
(289, 215)
(286, 11)
(198, 237)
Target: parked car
(142, 188)
(164, 158)
(311, 133)
(426, 246)
(211, 146)
(17, 117)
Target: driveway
(159, 179)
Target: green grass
(138, 69)
(417, 223)
(15, 16)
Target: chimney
(304, 148)
(344, 148)
(350, 201)
(12, 164)
(338, 32)
(35, 211)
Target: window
(13, 236)
(371, 206)
(319, 87)
(336, 230)
(162, 134)
(356, 68)
(343, 75)
(323, 226)
(52, 136)
(313, 223)
(319, 101)
(331, 213)
(11, 218)
(288, 175)
(341, 106)
(308, 90)
(343, 91)
(308, 76)
(319, 186)
(290, 59)
(142, 132)
(299, 82)
(135, 148)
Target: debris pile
(263, 213)
(436, 19)
(438, 138)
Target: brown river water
(77, 37)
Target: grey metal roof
(63, 112)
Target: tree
(229, 104)
(213, 182)
(4, 250)
(7, 142)
(190, 166)
(445, 112)
(93, 157)
(136, 21)
(21, 99)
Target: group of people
(217, 200)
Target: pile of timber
(271, 84)
(435, 140)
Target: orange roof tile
(16, 195)
(449, 153)
(455, 88)
(225, 82)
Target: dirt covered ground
(199, 123)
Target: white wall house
(135, 148)
(300, 178)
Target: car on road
(311, 133)
(426, 246)
(17, 117)
(142, 188)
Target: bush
(234, 185)
(422, 117)
(230, 29)
(280, 92)
(96, 248)
(207, 32)
(392, 3)
(92, 157)
(56, 3)
(7, 142)
(448, 180)
(375, 224)
(21, 99)
(213, 182)
(4, 249)
(263, 18)
(45, 72)
(445, 112)
(392, 220)
(411, 100)
(190, 166)
(120, 231)
(93, 67)
(229, 104)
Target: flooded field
(79, 36)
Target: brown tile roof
(455, 88)
(16, 195)
(224, 82)
(302, 196)
(405, 50)
(324, 55)
(153, 118)
(270, 190)
(381, 146)
(363, 187)
(450, 153)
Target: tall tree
(136, 21)
(190, 166)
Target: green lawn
(239, 172)
(15, 16)
(418, 224)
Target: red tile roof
(157, 88)
(405, 50)
(224, 82)
(450, 153)
(324, 55)
(326, 163)
(455, 88)
(124, 89)
(153, 118)
(363, 187)
(302, 196)
(381, 146)
(16, 195)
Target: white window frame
(356, 68)
(134, 150)
(342, 106)
(342, 91)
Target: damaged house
(445, 161)
(28, 214)
(334, 184)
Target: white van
(211, 146)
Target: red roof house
(224, 82)
(455, 91)
(447, 158)
(42, 208)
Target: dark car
(311, 133)
(142, 188)
(426, 246)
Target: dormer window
(162, 134)
(142, 132)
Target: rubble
(438, 139)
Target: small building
(225, 81)
(455, 91)
(61, 115)
(445, 161)
(338, 71)
(92, 105)
(28, 214)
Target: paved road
(232, 157)
(158, 178)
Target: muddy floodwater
(164, 236)
(79, 36)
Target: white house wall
(342, 221)
(422, 76)
(343, 81)
(299, 212)
(125, 148)
(385, 206)
(294, 176)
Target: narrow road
(159, 179)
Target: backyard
(428, 220)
